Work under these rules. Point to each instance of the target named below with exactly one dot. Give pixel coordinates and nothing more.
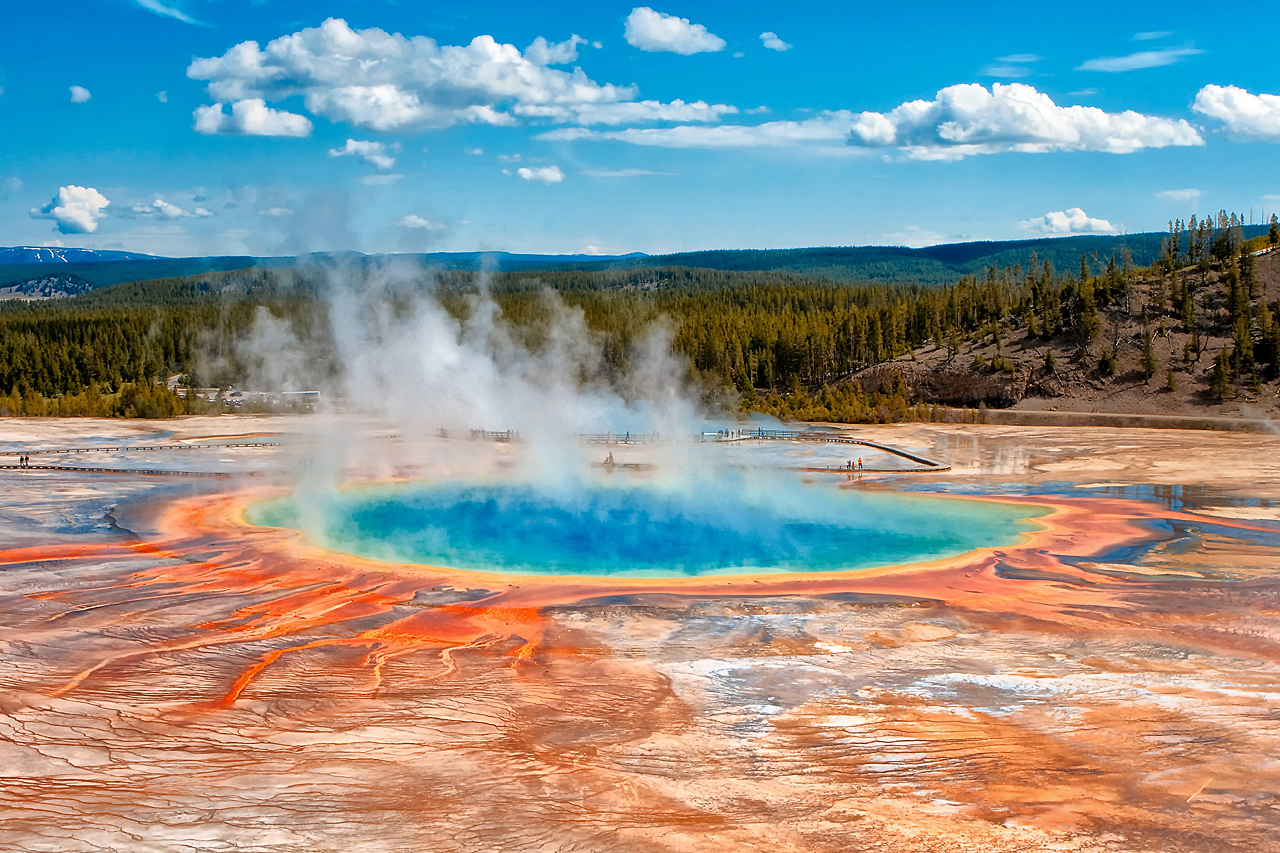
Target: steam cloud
(395, 354)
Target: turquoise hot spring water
(639, 529)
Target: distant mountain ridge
(64, 255)
(931, 265)
(26, 276)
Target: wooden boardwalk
(733, 436)
(139, 448)
(927, 466)
(150, 472)
(132, 448)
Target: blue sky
(183, 127)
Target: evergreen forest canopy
(780, 342)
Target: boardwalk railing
(151, 472)
(139, 448)
(619, 437)
(489, 435)
(731, 435)
(502, 436)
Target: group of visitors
(24, 461)
(851, 467)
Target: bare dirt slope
(1077, 384)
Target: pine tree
(1220, 380)
(1107, 364)
(1273, 348)
(1242, 336)
(1248, 278)
(1236, 301)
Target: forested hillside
(784, 343)
(932, 265)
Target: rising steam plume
(402, 350)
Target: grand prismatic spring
(1067, 640)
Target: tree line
(783, 342)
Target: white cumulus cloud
(1244, 114)
(390, 82)
(1072, 221)
(658, 31)
(970, 119)
(80, 95)
(415, 221)
(542, 52)
(546, 174)
(962, 120)
(75, 209)
(161, 209)
(1188, 195)
(771, 41)
(1141, 59)
(373, 153)
(250, 117)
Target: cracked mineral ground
(173, 678)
